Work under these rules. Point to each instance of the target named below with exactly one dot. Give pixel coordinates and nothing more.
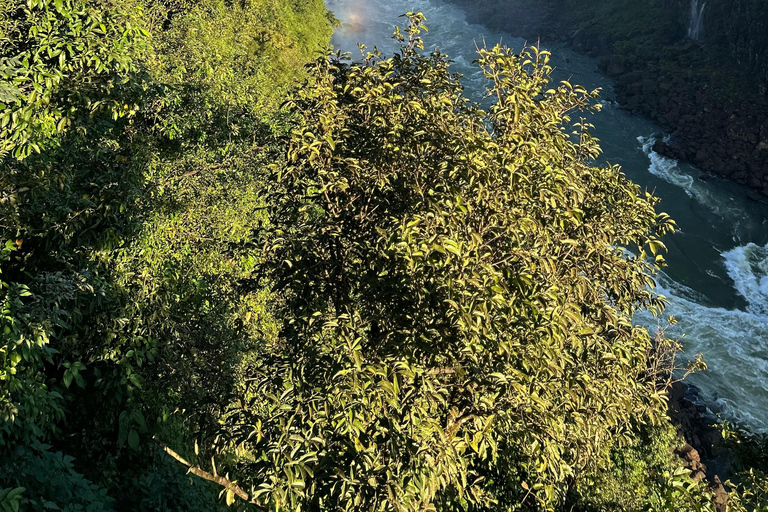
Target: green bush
(50, 481)
(380, 297)
(63, 61)
(28, 408)
(748, 488)
(643, 476)
(457, 296)
(133, 135)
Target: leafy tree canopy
(457, 289)
(133, 137)
(381, 297)
(62, 61)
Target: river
(717, 279)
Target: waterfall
(696, 23)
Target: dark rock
(632, 102)
(720, 498)
(701, 436)
(677, 392)
(661, 147)
(649, 87)
(630, 78)
(698, 476)
(723, 133)
(634, 89)
(615, 66)
(689, 454)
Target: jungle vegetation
(232, 280)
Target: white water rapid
(717, 279)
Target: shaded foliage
(50, 481)
(127, 198)
(380, 297)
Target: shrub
(458, 296)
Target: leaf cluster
(63, 61)
(129, 188)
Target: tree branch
(220, 480)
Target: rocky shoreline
(725, 137)
(720, 131)
(704, 453)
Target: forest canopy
(222, 288)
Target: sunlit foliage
(458, 296)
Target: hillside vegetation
(222, 288)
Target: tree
(67, 70)
(61, 62)
(131, 150)
(457, 293)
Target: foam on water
(666, 168)
(735, 345)
(748, 267)
(735, 342)
(669, 170)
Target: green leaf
(133, 439)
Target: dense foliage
(458, 299)
(379, 297)
(128, 185)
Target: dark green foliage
(751, 492)
(629, 482)
(129, 189)
(28, 408)
(50, 481)
(378, 298)
(643, 23)
(749, 485)
(164, 486)
(75, 76)
(643, 476)
(63, 61)
(741, 27)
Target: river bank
(709, 104)
(704, 453)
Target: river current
(717, 278)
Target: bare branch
(218, 479)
